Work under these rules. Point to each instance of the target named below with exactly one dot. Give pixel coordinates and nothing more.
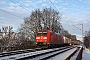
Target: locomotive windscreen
(42, 33)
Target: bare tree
(51, 20)
(7, 37)
(87, 39)
(47, 19)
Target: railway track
(49, 54)
(76, 55)
(18, 52)
(33, 54)
(54, 54)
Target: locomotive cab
(41, 37)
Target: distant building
(73, 37)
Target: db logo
(41, 37)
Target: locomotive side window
(42, 33)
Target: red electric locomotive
(47, 37)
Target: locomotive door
(51, 37)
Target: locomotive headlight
(44, 37)
(37, 37)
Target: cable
(68, 14)
(53, 4)
(19, 5)
(11, 13)
(59, 7)
(77, 27)
(66, 6)
(66, 17)
(49, 0)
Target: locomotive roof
(48, 30)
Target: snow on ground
(18, 56)
(62, 56)
(86, 54)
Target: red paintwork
(52, 38)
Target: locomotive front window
(39, 33)
(42, 33)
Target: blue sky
(74, 12)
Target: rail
(72, 54)
(79, 57)
(47, 55)
(35, 53)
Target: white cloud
(14, 5)
(45, 5)
(27, 4)
(75, 19)
(28, 1)
(75, 15)
(11, 20)
(60, 0)
(40, 1)
(2, 2)
(80, 0)
(79, 37)
(2, 17)
(52, 0)
(87, 2)
(17, 9)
